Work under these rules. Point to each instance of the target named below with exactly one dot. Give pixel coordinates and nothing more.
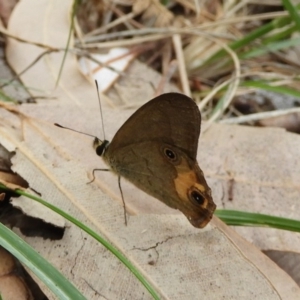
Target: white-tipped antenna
(60, 126)
(100, 106)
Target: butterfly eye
(170, 154)
(197, 197)
(100, 149)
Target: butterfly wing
(173, 118)
(156, 150)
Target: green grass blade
(283, 34)
(271, 47)
(257, 34)
(248, 39)
(74, 9)
(92, 233)
(267, 87)
(293, 11)
(5, 98)
(240, 218)
(55, 281)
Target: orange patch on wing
(183, 182)
(186, 178)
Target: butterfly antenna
(100, 106)
(60, 126)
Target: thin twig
(260, 116)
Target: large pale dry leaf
(181, 261)
(256, 170)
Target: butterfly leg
(124, 206)
(94, 174)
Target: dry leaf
(181, 261)
(12, 285)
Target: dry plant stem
(181, 64)
(234, 10)
(271, 76)
(130, 23)
(197, 8)
(6, 33)
(166, 56)
(207, 98)
(94, 42)
(107, 63)
(190, 30)
(127, 42)
(260, 116)
(135, 51)
(102, 65)
(152, 58)
(78, 31)
(111, 24)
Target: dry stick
(260, 116)
(78, 32)
(104, 64)
(234, 10)
(128, 42)
(133, 51)
(181, 63)
(112, 24)
(5, 32)
(170, 31)
(131, 23)
(149, 33)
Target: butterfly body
(156, 150)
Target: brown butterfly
(156, 150)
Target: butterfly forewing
(173, 118)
